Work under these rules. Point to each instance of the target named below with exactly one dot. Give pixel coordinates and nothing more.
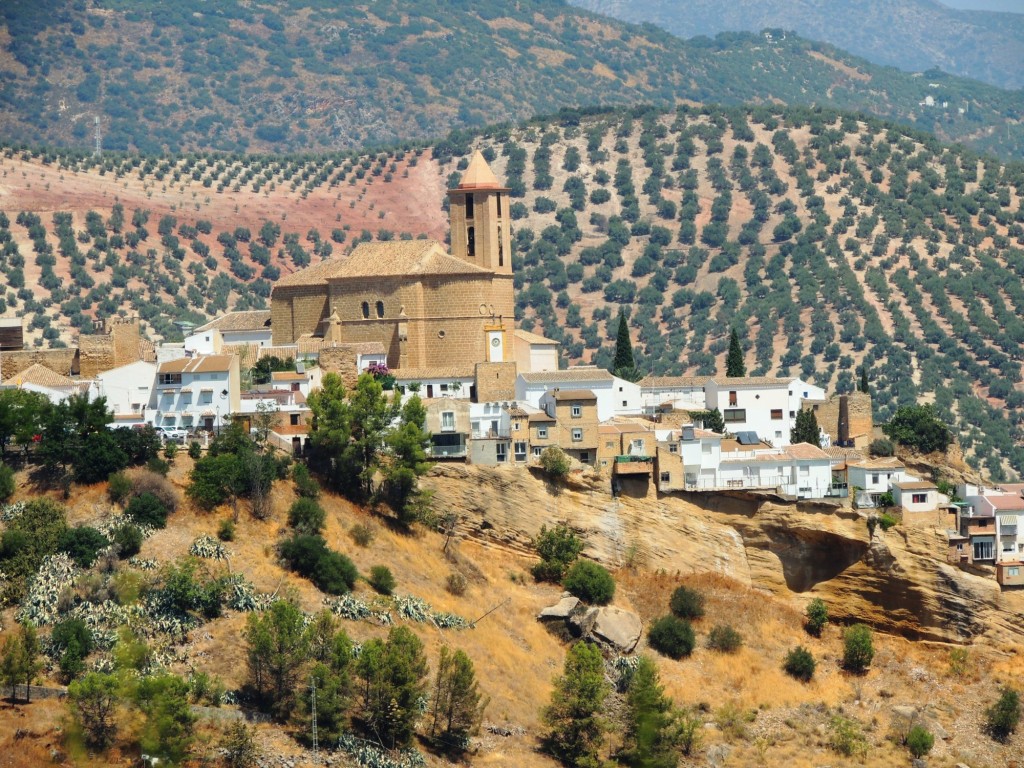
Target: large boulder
(618, 628)
(561, 611)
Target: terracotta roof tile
(532, 338)
(252, 320)
(41, 376)
(743, 382)
(449, 372)
(561, 395)
(200, 364)
(673, 382)
(569, 375)
(403, 257)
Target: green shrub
(226, 529)
(886, 521)
(305, 485)
(817, 616)
(71, 641)
(1001, 718)
(799, 663)
(455, 583)
(361, 534)
(119, 487)
(82, 544)
(672, 637)
(882, 447)
(858, 648)
(147, 509)
(920, 741)
(687, 603)
(6, 483)
(382, 580)
(306, 516)
(847, 737)
(590, 582)
(724, 638)
(127, 540)
(195, 450)
(558, 548)
(309, 556)
(170, 452)
(159, 466)
(554, 462)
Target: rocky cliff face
(897, 581)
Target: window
(792, 414)
(776, 414)
(515, 426)
(673, 448)
(170, 378)
(447, 421)
(497, 199)
(577, 435)
(501, 451)
(919, 498)
(520, 449)
(366, 310)
(778, 435)
(206, 396)
(380, 309)
(733, 415)
(585, 457)
(537, 450)
(624, 404)
(874, 479)
(469, 206)
(471, 241)
(732, 398)
(501, 250)
(1013, 570)
(294, 419)
(983, 550)
(665, 477)
(577, 410)
(542, 433)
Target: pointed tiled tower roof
(479, 175)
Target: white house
(701, 453)
(615, 396)
(802, 470)
(250, 327)
(52, 385)
(456, 381)
(762, 404)
(533, 352)
(660, 393)
(1004, 503)
(129, 391)
(916, 495)
(874, 477)
(197, 392)
(303, 379)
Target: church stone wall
(295, 310)
(495, 381)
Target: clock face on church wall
(495, 342)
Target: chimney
(688, 432)
(844, 421)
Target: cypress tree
(734, 360)
(863, 379)
(806, 429)
(623, 348)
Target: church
(427, 308)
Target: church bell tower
(480, 220)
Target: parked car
(172, 433)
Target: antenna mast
(99, 138)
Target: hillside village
(440, 325)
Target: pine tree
(652, 736)
(577, 705)
(391, 681)
(458, 705)
(624, 365)
(734, 360)
(806, 429)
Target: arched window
(501, 251)
(469, 206)
(471, 241)
(380, 309)
(498, 198)
(366, 309)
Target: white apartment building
(615, 396)
(197, 392)
(129, 391)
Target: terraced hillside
(302, 75)
(828, 241)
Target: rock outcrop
(898, 581)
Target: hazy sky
(1011, 6)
